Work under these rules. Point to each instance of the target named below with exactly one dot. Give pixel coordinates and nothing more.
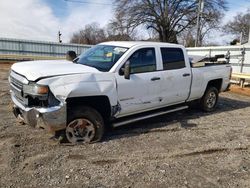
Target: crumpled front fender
(83, 85)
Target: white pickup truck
(113, 83)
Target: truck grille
(16, 83)
(17, 88)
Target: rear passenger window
(143, 60)
(172, 58)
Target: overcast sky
(42, 19)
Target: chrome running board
(134, 119)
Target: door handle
(155, 78)
(186, 74)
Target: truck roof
(129, 44)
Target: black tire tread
(203, 104)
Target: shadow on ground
(157, 124)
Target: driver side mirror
(71, 55)
(127, 70)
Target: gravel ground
(183, 149)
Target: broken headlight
(39, 95)
(35, 89)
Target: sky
(234, 7)
(42, 19)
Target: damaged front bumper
(51, 118)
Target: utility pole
(199, 16)
(248, 41)
(241, 37)
(59, 37)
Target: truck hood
(34, 70)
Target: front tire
(209, 100)
(85, 125)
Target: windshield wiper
(75, 60)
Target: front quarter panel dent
(83, 85)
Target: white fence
(239, 55)
(38, 48)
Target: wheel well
(99, 103)
(215, 83)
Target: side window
(143, 60)
(172, 58)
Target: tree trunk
(165, 37)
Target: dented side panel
(88, 84)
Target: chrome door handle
(186, 74)
(155, 78)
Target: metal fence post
(243, 52)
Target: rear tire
(209, 100)
(85, 125)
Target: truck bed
(202, 61)
(210, 71)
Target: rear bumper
(52, 118)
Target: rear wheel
(209, 100)
(85, 125)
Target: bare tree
(210, 22)
(119, 29)
(168, 18)
(187, 38)
(91, 34)
(239, 26)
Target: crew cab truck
(113, 83)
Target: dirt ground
(239, 90)
(183, 149)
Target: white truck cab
(115, 83)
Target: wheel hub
(211, 100)
(80, 131)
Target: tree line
(164, 20)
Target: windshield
(101, 57)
